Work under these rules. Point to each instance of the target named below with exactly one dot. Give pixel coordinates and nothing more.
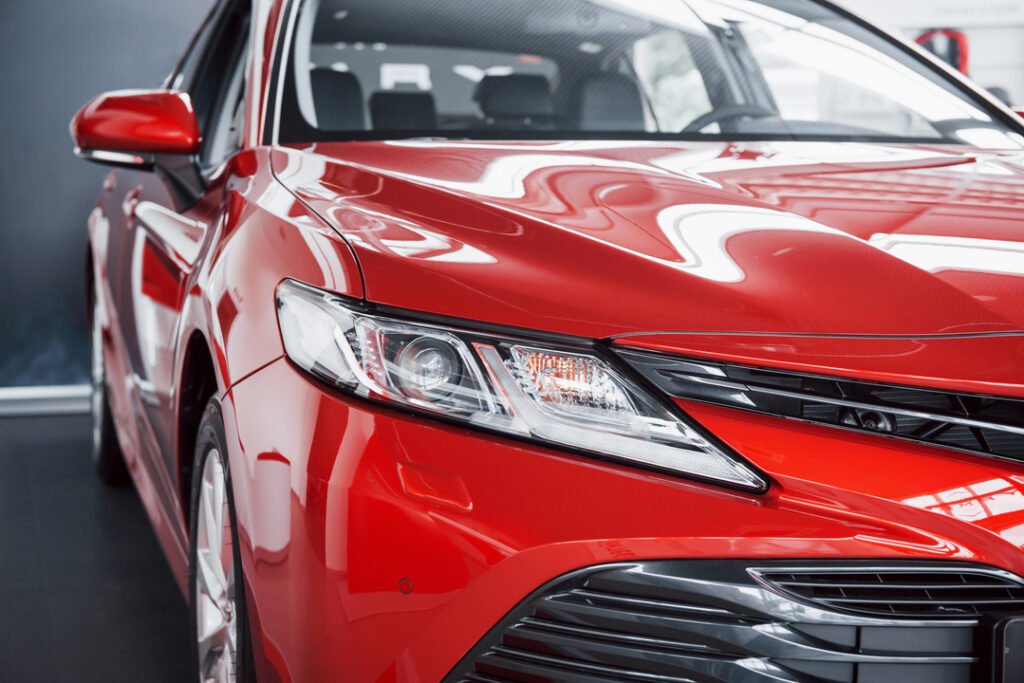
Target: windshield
(693, 69)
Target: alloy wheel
(215, 610)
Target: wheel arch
(197, 383)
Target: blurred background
(990, 31)
(81, 573)
(58, 54)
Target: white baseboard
(44, 401)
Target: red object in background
(957, 51)
(381, 546)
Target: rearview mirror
(132, 127)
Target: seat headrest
(518, 96)
(338, 99)
(612, 102)
(403, 111)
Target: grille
(714, 621)
(981, 424)
(898, 592)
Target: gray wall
(54, 56)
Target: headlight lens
(570, 398)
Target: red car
(568, 340)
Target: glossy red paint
(695, 237)
(383, 545)
(537, 514)
(153, 121)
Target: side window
(669, 74)
(187, 69)
(223, 131)
(213, 74)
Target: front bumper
(386, 546)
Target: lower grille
(717, 621)
(888, 592)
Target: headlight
(564, 397)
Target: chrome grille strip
(941, 594)
(744, 600)
(982, 424)
(884, 407)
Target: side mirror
(132, 127)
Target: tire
(221, 641)
(107, 458)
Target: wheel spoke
(209, 578)
(216, 536)
(210, 620)
(215, 610)
(218, 492)
(210, 519)
(228, 664)
(212, 650)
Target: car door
(164, 221)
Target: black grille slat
(637, 603)
(477, 678)
(524, 665)
(987, 425)
(690, 634)
(620, 637)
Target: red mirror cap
(143, 121)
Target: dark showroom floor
(85, 594)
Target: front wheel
(219, 622)
(107, 458)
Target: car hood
(602, 239)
